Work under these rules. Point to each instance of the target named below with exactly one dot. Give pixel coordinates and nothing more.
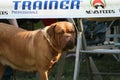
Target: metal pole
(77, 63)
(102, 51)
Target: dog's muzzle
(69, 44)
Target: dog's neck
(49, 41)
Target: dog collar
(47, 38)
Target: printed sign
(59, 8)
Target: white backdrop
(59, 8)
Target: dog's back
(7, 27)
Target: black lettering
(96, 12)
(88, 11)
(100, 11)
(3, 13)
(112, 11)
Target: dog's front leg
(2, 69)
(43, 75)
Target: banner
(59, 8)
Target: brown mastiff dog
(34, 50)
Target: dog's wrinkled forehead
(64, 26)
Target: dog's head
(62, 35)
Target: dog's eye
(70, 31)
(62, 32)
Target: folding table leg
(77, 63)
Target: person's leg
(2, 70)
(7, 74)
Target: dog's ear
(51, 30)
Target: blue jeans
(7, 74)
